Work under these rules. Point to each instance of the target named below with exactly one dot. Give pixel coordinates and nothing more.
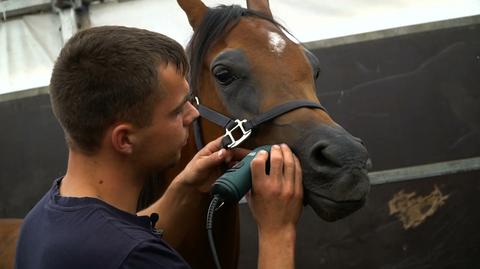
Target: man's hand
(184, 200)
(209, 164)
(276, 205)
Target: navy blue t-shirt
(87, 233)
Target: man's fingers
(213, 146)
(211, 156)
(276, 162)
(258, 166)
(288, 162)
(228, 155)
(298, 177)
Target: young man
(121, 97)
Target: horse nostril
(321, 157)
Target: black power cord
(211, 210)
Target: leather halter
(246, 127)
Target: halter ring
(229, 133)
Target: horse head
(243, 65)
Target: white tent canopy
(29, 44)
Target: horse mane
(216, 22)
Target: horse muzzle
(335, 171)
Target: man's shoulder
(131, 228)
(60, 234)
(147, 248)
(133, 241)
(87, 217)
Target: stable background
(412, 93)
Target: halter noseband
(246, 127)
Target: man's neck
(111, 180)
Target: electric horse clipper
(237, 181)
(230, 188)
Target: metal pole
(12, 8)
(425, 171)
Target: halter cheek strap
(236, 130)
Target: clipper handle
(237, 181)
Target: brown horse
(243, 64)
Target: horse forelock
(215, 24)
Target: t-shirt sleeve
(152, 254)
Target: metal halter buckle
(229, 133)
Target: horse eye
(223, 75)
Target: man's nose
(196, 113)
(192, 113)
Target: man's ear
(122, 138)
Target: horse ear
(195, 10)
(260, 6)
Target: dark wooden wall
(32, 153)
(414, 99)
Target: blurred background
(32, 32)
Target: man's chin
(165, 164)
(171, 163)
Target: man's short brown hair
(109, 74)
